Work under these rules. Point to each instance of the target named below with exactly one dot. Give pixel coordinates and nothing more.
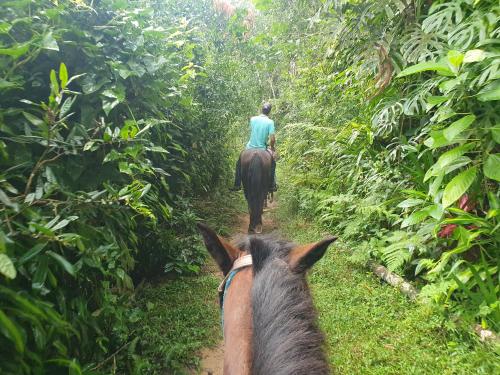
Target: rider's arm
(272, 141)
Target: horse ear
(303, 257)
(221, 250)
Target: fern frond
(401, 249)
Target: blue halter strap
(223, 297)
(239, 264)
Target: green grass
(182, 317)
(371, 328)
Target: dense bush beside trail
(110, 115)
(116, 116)
(390, 115)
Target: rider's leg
(274, 187)
(237, 175)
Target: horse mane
(286, 339)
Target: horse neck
(286, 339)
(238, 325)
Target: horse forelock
(264, 248)
(286, 339)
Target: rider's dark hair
(266, 108)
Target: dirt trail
(212, 359)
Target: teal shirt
(261, 128)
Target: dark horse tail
(255, 171)
(255, 189)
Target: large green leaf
(449, 156)
(447, 159)
(4, 84)
(439, 67)
(455, 58)
(491, 167)
(5, 27)
(53, 82)
(91, 83)
(41, 272)
(16, 51)
(495, 133)
(108, 104)
(34, 251)
(435, 211)
(457, 163)
(411, 202)
(415, 218)
(55, 225)
(458, 186)
(7, 267)
(66, 106)
(111, 98)
(48, 42)
(437, 99)
(4, 198)
(63, 262)
(9, 329)
(33, 119)
(432, 101)
(490, 92)
(474, 55)
(452, 131)
(435, 185)
(63, 75)
(436, 140)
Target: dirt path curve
(212, 359)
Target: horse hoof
(258, 229)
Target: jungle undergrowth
(181, 315)
(371, 328)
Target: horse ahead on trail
(256, 167)
(256, 177)
(269, 320)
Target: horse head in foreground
(267, 311)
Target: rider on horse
(262, 132)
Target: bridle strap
(242, 262)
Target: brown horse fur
(256, 178)
(237, 305)
(269, 318)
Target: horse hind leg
(258, 228)
(251, 223)
(258, 216)
(251, 229)
(255, 225)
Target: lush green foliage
(109, 117)
(180, 317)
(372, 328)
(177, 319)
(116, 116)
(391, 134)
